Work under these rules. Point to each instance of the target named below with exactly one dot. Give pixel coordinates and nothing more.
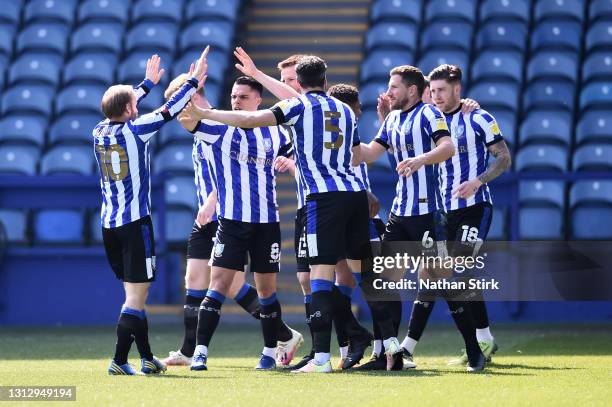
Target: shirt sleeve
(143, 89)
(434, 122)
(487, 127)
(288, 111)
(147, 125)
(209, 131)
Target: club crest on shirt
(458, 131)
(267, 144)
(219, 247)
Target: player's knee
(304, 280)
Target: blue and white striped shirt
(203, 172)
(325, 132)
(472, 134)
(408, 134)
(242, 160)
(122, 154)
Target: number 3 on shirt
(106, 162)
(333, 128)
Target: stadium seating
(593, 157)
(33, 67)
(68, 160)
(498, 229)
(153, 37)
(392, 35)
(502, 35)
(542, 209)
(495, 95)
(132, 69)
(212, 9)
(39, 36)
(597, 66)
(599, 36)
(450, 9)
(15, 225)
(181, 192)
(79, 98)
(157, 10)
(541, 158)
(17, 128)
(396, 10)
(368, 94)
(451, 34)
(174, 159)
(378, 64)
(179, 222)
(594, 126)
(435, 57)
(50, 11)
(97, 36)
(17, 159)
(174, 133)
(505, 10)
(104, 10)
(498, 65)
(152, 101)
(600, 9)
(368, 126)
(556, 34)
(27, 98)
(591, 210)
(596, 94)
(10, 13)
(553, 65)
(549, 94)
(58, 226)
(74, 128)
(506, 120)
(546, 126)
(90, 67)
(217, 34)
(559, 9)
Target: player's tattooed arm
(274, 86)
(502, 162)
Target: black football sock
(193, 299)
(247, 299)
(460, 311)
(270, 319)
(321, 310)
(208, 318)
(126, 326)
(339, 301)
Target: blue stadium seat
(174, 133)
(50, 37)
(217, 34)
(553, 65)
(396, 10)
(368, 94)
(593, 157)
(450, 9)
(498, 229)
(157, 37)
(15, 224)
(494, 95)
(547, 126)
(435, 57)
(597, 66)
(95, 230)
(6, 41)
(33, 67)
(17, 159)
(158, 10)
(28, 98)
(599, 36)
(213, 93)
(104, 10)
(499, 65)
(392, 35)
(594, 126)
(502, 35)
(10, 13)
(68, 160)
(452, 34)
(505, 9)
(368, 125)
(378, 64)
(19, 128)
(557, 35)
(152, 101)
(506, 120)
(541, 158)
(175, 159)
(49, 11)
(549, 94)
(217, 64)
(79, 98)
(97, 36)
(132, 68)
(596, 94)
(75, 128)
(179, 223)
(212, 9)
(559, 9)
(58, 226)
(591, 204)
(91, 67)
(541, 212)
(181, 192)
(600, 9)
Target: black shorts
(235, 239)
(299, 241)
(467, 228)
(426, 229)
(337, 227)
(130, 250)
(201, 240)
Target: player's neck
(306, 90)
(454, 108)
(411, 104)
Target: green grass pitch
(536, 365)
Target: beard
(398, 104)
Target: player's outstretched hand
(153, 73)
(282, 164)
(200, 68)
(246, 66)
(469, 105)
(187, 118)
(467, 189)
(383, 107)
